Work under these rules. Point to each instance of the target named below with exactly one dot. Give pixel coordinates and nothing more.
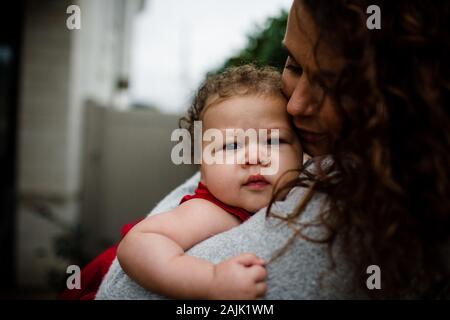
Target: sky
(176, 42)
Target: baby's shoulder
(199, 205)
(206, 212)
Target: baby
(153, 252)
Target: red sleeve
(92, 274)
(203, 193)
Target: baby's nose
(257, 155)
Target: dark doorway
(11, 22)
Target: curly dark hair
(234, 81)
(391, 204)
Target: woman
(377, 102)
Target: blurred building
(76, 168)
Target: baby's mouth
(256, 182)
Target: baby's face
(248, 183)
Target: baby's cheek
(296, 157)
(212, 177)
(222, 181)
(289, 160)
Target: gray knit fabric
(302, 272)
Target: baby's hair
(235, 81)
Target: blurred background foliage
(263, 46)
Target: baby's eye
(232, 146)
(272, 141)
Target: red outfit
(93, 273)
(203, 193)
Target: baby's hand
(241, 278)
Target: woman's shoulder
(172, 200)
(317, 202)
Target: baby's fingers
(248, 259)
(261, 289)
(258, 273)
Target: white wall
(127, 169)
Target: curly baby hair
(234, 81)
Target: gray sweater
(294, 275)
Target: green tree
(264, 45)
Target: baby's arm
(152, 254)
